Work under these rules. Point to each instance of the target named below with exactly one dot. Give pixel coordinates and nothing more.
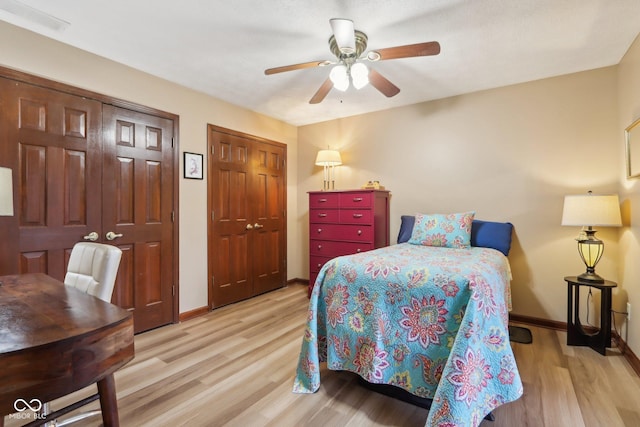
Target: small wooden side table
(576, 335)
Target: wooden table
(576, 333)
(55, 340)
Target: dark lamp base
(590, 277)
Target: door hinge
(173, 216)
(213, 280)
(213, 215)
(173, 290)
(171, 142)
(213, 150)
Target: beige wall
(509, 154)
(629, 274)
(43, 57)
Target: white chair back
(93, 268)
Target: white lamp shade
(339, 77)
(359, 75)
(6, 192)
(328, 158)
(592, 210)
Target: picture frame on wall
(632, 139)
(193, 165)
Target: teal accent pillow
(444, 230)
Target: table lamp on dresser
(328, 159)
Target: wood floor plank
(235, 366)
(560, 402)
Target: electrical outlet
(628, 311)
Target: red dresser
(345, 222)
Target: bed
(427, 317)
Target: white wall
(44, 57)
(509, 154)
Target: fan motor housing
(361, 46)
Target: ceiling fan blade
(381, 83)
(322, 92)
(301, 66)
(408, 51)
(344, 33)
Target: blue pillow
(485, 234)
(406, 228)
(488, 234)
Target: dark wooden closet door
(231, 226)
(80, 167)
(138, 210)
(247, 202)
(268, 249)
(52, 141)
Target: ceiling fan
(348, 45)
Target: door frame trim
(31, 79)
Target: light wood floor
(235, 366)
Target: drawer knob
(319, 265)
(322, 200)
(357, 215)
(357, 199)
(319, 230)
(358, 250)
(359, 232)
(319, 247)
(322, 215)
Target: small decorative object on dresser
(344, 223)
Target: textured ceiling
(222, 48)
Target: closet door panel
(230, 209)
(52, 143)
(124, 292)
(269, 254)
(138, 211)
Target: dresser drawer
(343, 233)
(316, 263)
(322, 216)
(323, 200)
(356, 216)
(355, 200)
(332, 248)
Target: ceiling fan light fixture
(359, 75)
(339, 77)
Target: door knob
(256, 225)
(111, 235)
(93, 236)
(249, 227)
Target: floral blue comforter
(430, 320)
